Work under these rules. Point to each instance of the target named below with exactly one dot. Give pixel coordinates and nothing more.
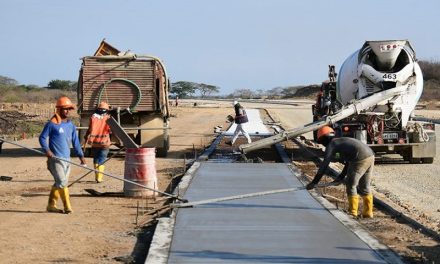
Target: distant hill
(431, 77)
(309, 91)
(431, 89)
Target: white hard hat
(235, 102)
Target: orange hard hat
(325, 131)
(64, 102)
(104, 105)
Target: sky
(233, 44)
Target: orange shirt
(99, 131)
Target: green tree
(243, 93)
(62, 85)
(207, 90)
(183, 89)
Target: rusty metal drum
(140, 167)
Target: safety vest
(99, 132)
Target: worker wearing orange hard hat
(60, 132)
(358, 159)
(98, 137)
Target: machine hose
(138, 90)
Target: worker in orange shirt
(98, 137)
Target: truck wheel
(415, 160)
(428, 160)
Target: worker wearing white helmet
(240, 119)
(358, 159)
(98, 136)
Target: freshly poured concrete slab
(255, 125)
(282, 228)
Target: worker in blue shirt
(61, 133)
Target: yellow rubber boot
(99, 175)
(53, 198)
(96, 173)
(65, 197)
(353, 205)
(367, 200)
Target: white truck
(373, 99)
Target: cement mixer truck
(373, 99)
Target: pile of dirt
(14, 122)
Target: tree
(243, 93)
(62, 85)
(183, 89)
(274, 92)
(7, 81)
(289, 91)
(207, 90)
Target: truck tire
(415, 160)
(427, 160)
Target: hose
(138, 90)
(421, 131)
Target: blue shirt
(61, 136)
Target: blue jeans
(100, 155)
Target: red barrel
(140, 167)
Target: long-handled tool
(247, 195)
(107, 174)
(87, 173)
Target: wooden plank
(118, 131)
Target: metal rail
(94, 170)
(349, 110)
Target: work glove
(310, 186)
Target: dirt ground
(108, 229)
(101, 229)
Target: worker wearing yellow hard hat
(358, 159)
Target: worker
(61, 132)
(240, 119)
(98, 137)
(358, 159)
